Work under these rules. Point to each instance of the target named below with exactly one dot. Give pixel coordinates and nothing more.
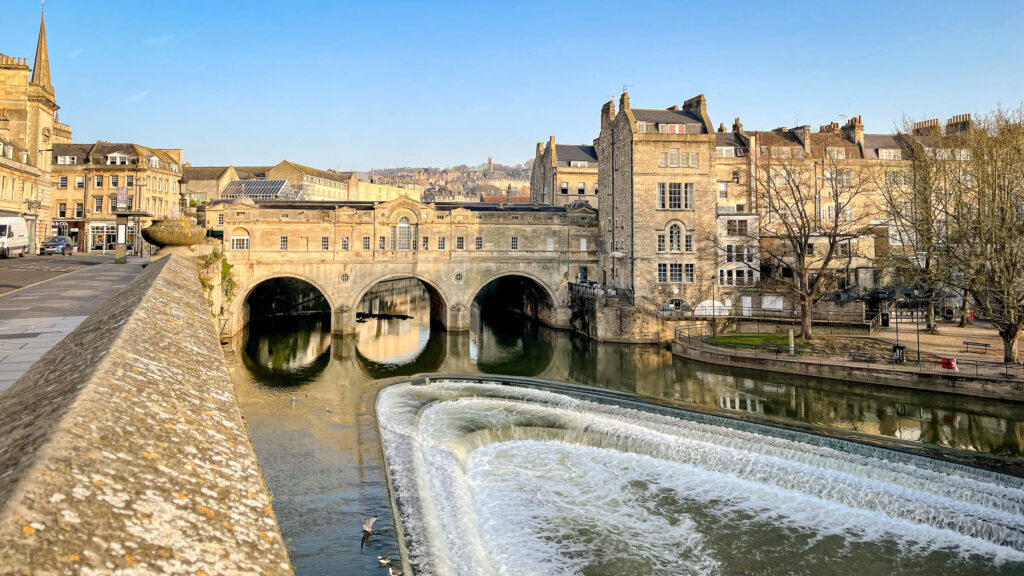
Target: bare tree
(917, 199)
(986, 222)
(811, 222)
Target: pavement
(949, 342)
(52, 295)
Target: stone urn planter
(173, 232)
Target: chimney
(831, 128)
(803, 135)
(608, 112)
(854, 131)
(927, 127)
(540, 149)
(624, 101)
(673, 108)
(959, 124)
(737, 126)
(721, 127)
(698, 106)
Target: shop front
(103, 236)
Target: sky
(376, 84)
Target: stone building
(207, 183)
(86, 179)
(29, 127)
(658, 189)
(563, 174)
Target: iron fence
(873, 360)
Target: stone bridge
(344, 249)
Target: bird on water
(367, 530)
(384, 561)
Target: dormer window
(578, 164)
(672, 128)
(890, 154)
(117, 159)
(836, 153)
(67, 160)
(154, 162)
(174, 167)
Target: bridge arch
(240, 303)
(539, 299)
(439, 302)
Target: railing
(771, 314)
(878, 361)
(597, 291)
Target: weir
(511, 479)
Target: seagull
(328, 409)
(367, 530)
(384, 561)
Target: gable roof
(575, 153)
(194, 173)
(668, 117)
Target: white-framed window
(154, 162)
(662, 199)
(661, 242)
(129, 181)
(514, 244)
(79, 182)
(381, 243)
(117, 159)
(723, 190)
(675, 272)
(663, 160)
(325, 243)
(115, 181)
(662, 272)
(460, 242)
(441, 242)
(688, 196)
(220, 219)
(675, 238)
(479, 243)
(67, 160)
(565, 187)
(689, 272)
(62, 183)
(675, 199)
(79, 209)
(97, 204)
(99, 181)
(62, 210)
(673, 157)
(836, 152)
(550, 244)
(725, 152)
(581, 188)
(890, 154)
(672, 128)
(688, 242)
(366, 243)
(404, 234)
(426, 243)
(344, 243)
(283, 243)
(240, 242)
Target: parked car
(13, 236)
(56, 245)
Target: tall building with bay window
(86, 179)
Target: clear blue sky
(377, 84)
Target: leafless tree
(812, 222)
(986, 221)
(917, 198)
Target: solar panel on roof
(260, 190)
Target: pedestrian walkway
(34, 319)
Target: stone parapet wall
(123, 449)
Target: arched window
(240, 239)
(404, 233)
(675, 238)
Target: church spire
(41, 69)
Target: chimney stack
(721, 127)
(737, 126)
(854, 131)
(928, 127)
(673, 108)
(803, 135)
(959, 124)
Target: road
(17, 273)
(57, 293)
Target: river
(308, 399)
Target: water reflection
(325, 468)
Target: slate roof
(729, 139)
(668, 117)
(194, 173)
(97, 153)
(874, 142)
(575, 153)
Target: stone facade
(29, 124)
(563, 174)
(346, 248)
(86, 178)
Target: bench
(862, 357)
(984, 347)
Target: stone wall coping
(123, 448)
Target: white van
(13, 236)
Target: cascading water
(498, 479)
